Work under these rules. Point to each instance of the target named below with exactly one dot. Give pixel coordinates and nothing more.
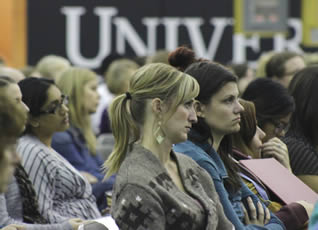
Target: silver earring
(159, 137)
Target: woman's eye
(188, 104)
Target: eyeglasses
(280, 126)
(64, 101)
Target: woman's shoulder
(298, 145)
(62, 137)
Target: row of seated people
(152, 122)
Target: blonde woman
(157, 188)
(78, 143)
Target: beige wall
(13, 32)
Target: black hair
(211, 77)
(34, 94)
(271, 100)
(303, 88)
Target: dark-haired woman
(302, 137)
(218, 111)
(274, 107)
(18, 203)
(247, 144)
(61, 190)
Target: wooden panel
(13, 23)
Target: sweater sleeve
(6, 219)
(137, 208)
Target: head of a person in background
(218, 108)
(80, 85)
(160, 56)
(244, 73)
(158, 106)
(118, 75)
(106, 62)
(52, 66)
(249, 139)
(13, 73)
(304, 89)
(48, 107)
(13, 118)
(282, 67)
(274, 106)
(260, 70)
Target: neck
(217, 141)
(43, 137)
(162, 151)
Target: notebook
(280, 181)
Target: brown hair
(243, 138)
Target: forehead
(12, 91)
(228, 89)
(294, 64)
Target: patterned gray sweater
(145, 197)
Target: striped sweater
(11, 211)
(61, 190)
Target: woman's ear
(199, 108)
(157, 105)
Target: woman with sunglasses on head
(302, 137)
(61, 190)
(274, 107)
(247, 144)
(18, 204)
(77, 144)
(155, 187)
(218, 111)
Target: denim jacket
(210, 160)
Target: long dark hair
(211, 77)
(271, 100)
(303, 88)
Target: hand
(91, 178)
(75, 222)
(13, 227)
(277, 149)
(308, 206)
(263, 213)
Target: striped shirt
(11, 211)
(303, 156)
(61, 190)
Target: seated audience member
(261, 63)
(155, 187)
(245, 75)
(52, 66)
(18, 204)
(302, 137)
(13, 117)
(15, 74)
(117, 79)
(78, 143)
(274, 107)
(218, 111)
(247, 143)
(160, 56)
(105, 96)
(282, 66)
(61, 190)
